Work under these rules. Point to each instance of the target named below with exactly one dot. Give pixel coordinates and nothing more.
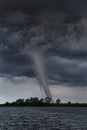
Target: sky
(57, 29)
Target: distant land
(36, 102)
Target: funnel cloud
(40, 71)
(37, 60)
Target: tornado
(40, 72)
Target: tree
(27, 101)
(34, 101)
(41, 100)
(7, 103)
(58, 101)
(69, 103)
(20, 101)
(48, 100)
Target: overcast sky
(58, 30)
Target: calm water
(43, 118)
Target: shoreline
(44, 106)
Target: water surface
(43, 118)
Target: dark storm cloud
(67, 72)
(13, 11)
(57, 28)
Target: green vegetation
(42, 102)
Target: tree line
(42, 102)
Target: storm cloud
(56, 28)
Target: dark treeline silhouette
(42, 102)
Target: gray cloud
(67, 72)
(58, 29)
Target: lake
(43, 118)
